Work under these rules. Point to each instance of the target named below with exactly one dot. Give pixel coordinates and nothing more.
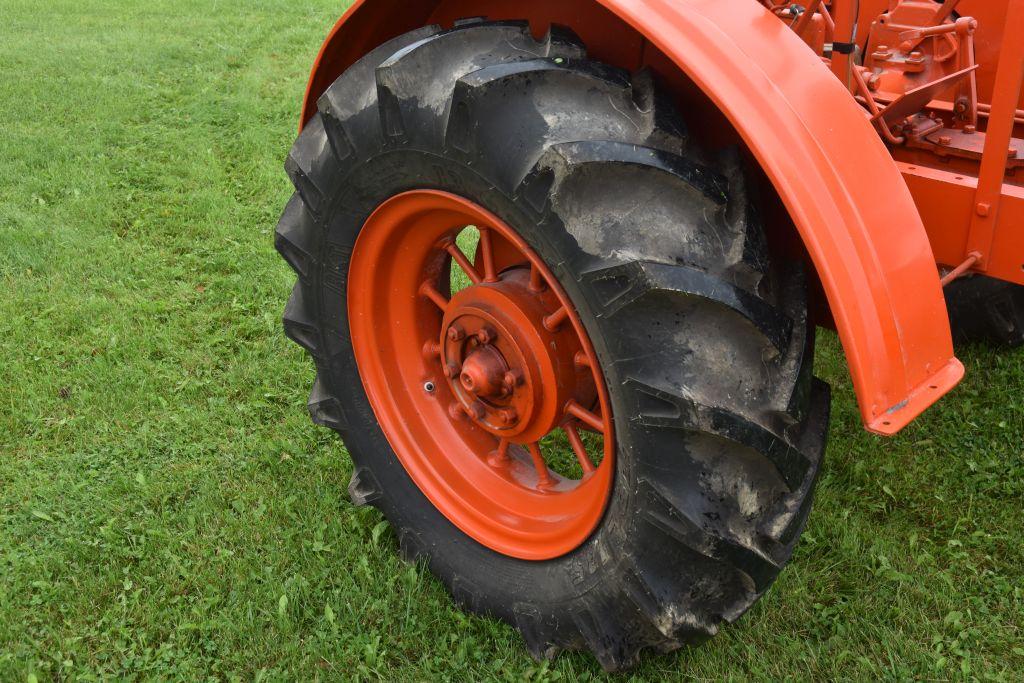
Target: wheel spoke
(554, 321)
(579, 449)
(537, 282)
(544, 479)
(432, 351)
(500, 457)
(428, 290)
(585, 416)
(487, 254)
(460, 258)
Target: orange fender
(838, 181)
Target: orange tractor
(560, 269)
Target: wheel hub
(483, 374)
(511, 374)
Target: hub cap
(511, 374)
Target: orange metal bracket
(1009, 81)
(838, 181)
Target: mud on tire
(703, 339)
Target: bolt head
(486, 335)
(508, 416)
(513, 378)
(478, 410)
(452, 370)
(456, 333)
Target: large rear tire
(702, 339)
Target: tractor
(560, 267)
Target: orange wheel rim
(470, 389)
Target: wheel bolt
(452, 370)
(478, 411)
(513, 379)
(486, 335)
(508, 416)
(456, 333)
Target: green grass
(168, 511)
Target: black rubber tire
(983, 310)
(704, 342)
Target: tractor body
(895, 155)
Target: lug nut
(478, 411)
(513, 379)
(452, 370)
(456, 333)
(508, 416)
(486, 335)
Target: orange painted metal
(1008, 86)
(857, 219)
(947, 201)
(467, 386)
(962, 269)
(992, 34)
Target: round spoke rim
(470, 388)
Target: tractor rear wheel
(621, 308)
(983, 310)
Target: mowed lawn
(168, 511)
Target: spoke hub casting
(499, 358)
